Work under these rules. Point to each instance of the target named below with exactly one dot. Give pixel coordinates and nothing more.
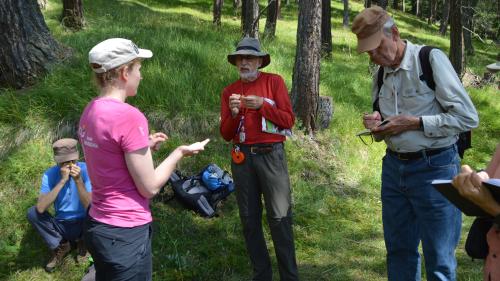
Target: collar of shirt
(406, 62)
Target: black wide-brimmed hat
(249, 47)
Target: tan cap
(367, 26)
(65, 150)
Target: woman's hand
(194, 148)
(156, 139)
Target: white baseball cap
(112, 53)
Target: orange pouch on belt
(237, 155)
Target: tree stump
(27, 49)
(325, 111)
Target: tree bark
(249, 13)
(217, 12)
(272, 17)
(72, 15)
(456, 37)
(383, 3)
(27, 49)
(305, 88)
(444, 17)
(326, 27)
(368, 3)
(345, 19)
(468, 23)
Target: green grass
(335, 178)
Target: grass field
(335, 178)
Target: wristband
(421, 123)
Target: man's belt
(259, 148)
(418, 154)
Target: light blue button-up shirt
(445, 112)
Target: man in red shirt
(256, 115)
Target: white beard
(249, 76)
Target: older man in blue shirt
(421, 138)
(67, 186)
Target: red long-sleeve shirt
(267, 85)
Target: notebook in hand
(467, 207)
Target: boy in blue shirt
(67, 186)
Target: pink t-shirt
(108, 129)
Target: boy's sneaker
(57, 256)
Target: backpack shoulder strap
(425, 63)
(380, 82)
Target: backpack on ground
(464, 141)
(204, 191)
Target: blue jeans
(53, 231)
(413, 211)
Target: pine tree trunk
(395, 4)
(444, 17)
(415, 7)
(467, 21)
(432, 11)
(27, 49)
(345, 19)
(305, 88)
(217, 12)
(279, 9)
(326, 28)
(272, 17)
(72, 15)
(249, 13)
(456, 37)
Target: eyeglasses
(365, 136)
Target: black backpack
(464, 141)
(196, 195)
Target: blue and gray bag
(204, 191)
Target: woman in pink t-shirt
(117, 147)
(469, 185)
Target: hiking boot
(57, 256)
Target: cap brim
(67, 157)
(370, 43)
(266, 58)
(145, 54)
